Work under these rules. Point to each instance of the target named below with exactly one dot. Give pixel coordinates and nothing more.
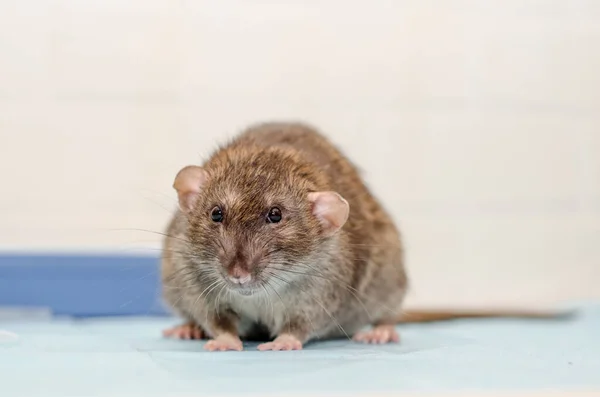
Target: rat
(277, 238)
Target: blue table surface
(127, 356)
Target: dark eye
(274, 215)
(216, 215)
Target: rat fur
(332, 266)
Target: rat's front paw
(379, 334)
(223, 343)
(282, 342)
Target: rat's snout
(239, 276)
(238, 264)
(239, 269)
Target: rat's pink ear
(331, 210)
(188, 183)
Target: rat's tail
(425, 316)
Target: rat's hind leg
(384, 297)
(385, 315)
(383, 329)
(383, 333)
(188, 330)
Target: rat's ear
(331, 210)
(188, 183)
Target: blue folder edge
(92, 285)
(82, 285)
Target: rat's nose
(239, 276)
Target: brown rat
(278, 230)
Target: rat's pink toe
(224, 343)
(282, 342)
(379, 334)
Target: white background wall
(476, 122)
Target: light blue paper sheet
(128, 356)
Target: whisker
(355, 293)
(391, 245)
(285, 309)
(153, 232)
(268, 297)
(180, 254)
(209, 289)
(219, 299)
(321, 305)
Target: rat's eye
(274, 215)
(216, 215)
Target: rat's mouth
(243, 289)
(242, 282)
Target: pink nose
(240, 279)
(239, 276)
